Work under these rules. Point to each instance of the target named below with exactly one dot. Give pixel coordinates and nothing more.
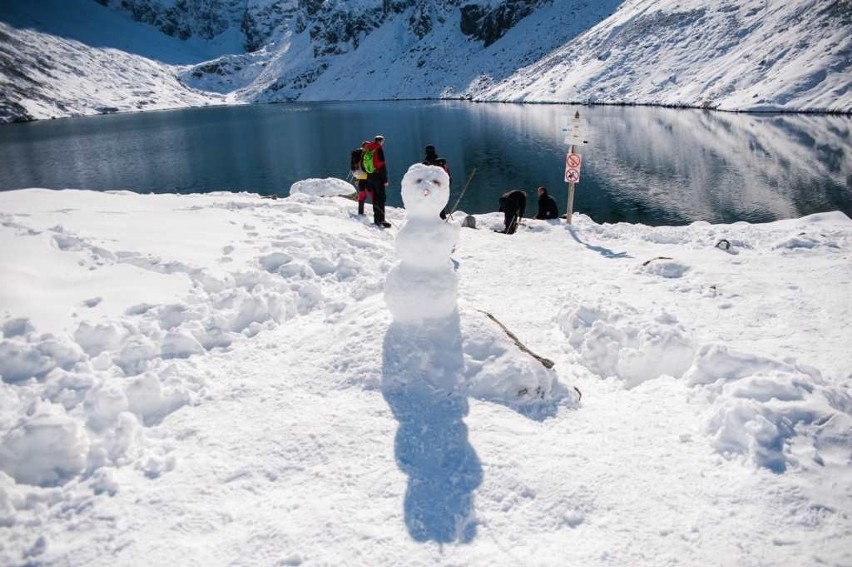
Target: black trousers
(380, 195)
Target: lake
(656, 166)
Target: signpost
(574, 135)
(572, 175)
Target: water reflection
(668, 166)
(649, 165)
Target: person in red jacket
(377, 177)
(364, 187)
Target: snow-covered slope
(732, 55)
(211, 380)
(74, 57)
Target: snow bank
(328, 187)
(45, 447)
(108, 371)
(759, 406)
(496, 370)
(145, 337)
(617, 340)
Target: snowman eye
(419, 181)
(436, 182)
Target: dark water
(650, 165)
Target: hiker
(512, 205)
(360, 176)
(433, 159)
(377, 178)
(546, 205)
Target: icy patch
(773, 413)
(616, 340)
(329, 187)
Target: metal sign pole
(575, 134)
(570, 212)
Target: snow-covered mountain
(72, 57)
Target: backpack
(355, 164)
(367, 161)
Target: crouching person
(512, 205)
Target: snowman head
(425, 190)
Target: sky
(218, 379)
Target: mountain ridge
(742, 56)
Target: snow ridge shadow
(421, 365)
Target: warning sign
(572, 167)
(573, 161)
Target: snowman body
(423, 285)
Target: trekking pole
(466, 185)
(350, 178)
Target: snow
(216, 380)
(86, 22)
(743, 55)
(423, 286)
(78, 58)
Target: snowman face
(425, 190)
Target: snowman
(426, 345)
(424, 286)
(423, 368)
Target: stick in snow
(546, 362)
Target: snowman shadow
(421, 363)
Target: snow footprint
(616, 340)
(773, 413)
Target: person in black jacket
(512, 205)
(432, 158)
(546, 205)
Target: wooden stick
(546, 362)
